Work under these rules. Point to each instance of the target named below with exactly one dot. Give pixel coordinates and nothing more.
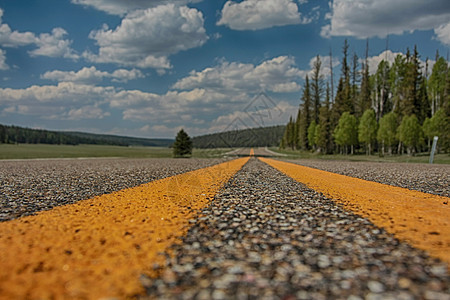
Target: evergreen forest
(21, 135)
(396, 109)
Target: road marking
(421, 219)
(252, 152)
(98, 248)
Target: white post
(433, 149)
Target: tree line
(20, 135)
(398, 109)
(250, 137)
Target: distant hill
(252, 137)
(15, 134)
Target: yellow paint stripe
(252, 152)
(421, 219)
(98, 248)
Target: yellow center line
(252, 152)
(421, 219)
(98, 248)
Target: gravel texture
(266, 236)
(30, 186)
(434, 179)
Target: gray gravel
(30, 186)
(434, 179)
(265, 236)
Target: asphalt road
(215, 233)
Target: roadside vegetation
(397, 110)
(38, 151)
(442, 158)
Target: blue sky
(149, 67)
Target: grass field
(33, 151)
(419, 158)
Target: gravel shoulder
(29, 186)
(433, 179)
(266, 236)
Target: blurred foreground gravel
(266, 236)
(433, 179)
(30, 186)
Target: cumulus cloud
(368, 18)
(54, 45)
(85, 112)
(278, 75)
(91, 75)
(120, 7)
(374, 61)
(59, 102)
(260, 14)
(325, 67)
(443, 33)
(390, 56)
(48, 44)
(204, 97)
(3, 64)
(146, 38)
(13, 39)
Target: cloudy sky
(149, 67)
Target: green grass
(33, 151)
(419, 158)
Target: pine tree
(305, 116)
(289, 136)
(364, 95)
(382, 102)
(397, 75)
(367, 129)
(316, 89)
(323, 135)
(346, 97)
(183, 145)
(354, 90)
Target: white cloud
(443, 33)
(86, 112)
(121, 7)
(52, 45)
(260, 14)
(3, 64)
(9, 38)
(146, 38)
(368, 18)
(59, 102)
(325, 65)
(278, 75)
(374, 61)
(194, 103)
(91, 75)
(390, 56)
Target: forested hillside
(20, 135)
(398, 109)
(252, 137)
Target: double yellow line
(421, 219)
(99, 248)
